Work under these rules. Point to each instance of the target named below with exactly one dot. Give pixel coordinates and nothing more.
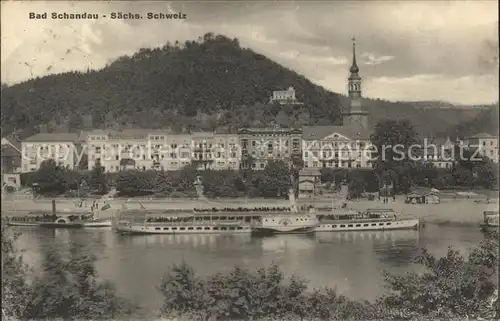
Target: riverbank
(462, 211)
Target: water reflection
(350, 261)
(206, 242)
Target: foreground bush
(450, 288)
(67, 288)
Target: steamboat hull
(410, 224)
(270, 231)
(218, 230)
(23, 224)
(103, 223)
(61, 225)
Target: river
(349, 261)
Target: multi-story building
(284, 97)
(439, 152)
(61, 147)
(11, 154)
(116, 150)
(212, 150)
(259, 145)
(486, 144)
(146, 149)
(336, 146)
(142, 149)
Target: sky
(406, 50)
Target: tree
(462, 176)
(277, 179)
(356, 187)
(98, 182)
(485, 174)
(134, 183)
(50, 178)
(68, 288)
(162, 183)
(393, 139)
(396, 143)
(15, 289)
(450, 287)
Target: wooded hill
(204, 84)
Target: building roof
(132, 133)
(269, 130)
(320, 132)
(484, 135)
(13, 141)
(52, 137)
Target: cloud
(373, 59)
(397, 42)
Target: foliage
(392, 140)
(135, 183)
(357, 187)
(15, 289)
(98, 183)
(277, 179)
(68, 288)
(485, 121)
(244, 295)
(449, 288)
(50, 178)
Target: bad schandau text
(112, 15)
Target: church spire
(354, 67)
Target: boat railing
(195, 223)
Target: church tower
(355, 115)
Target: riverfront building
(486, 144)
(146, 149)
(260, 145)
(61, 147)
(212, 150)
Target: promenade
(462, 211)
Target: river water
(350, 261)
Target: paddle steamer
(62, 220)
(372, 219)
(219, 221)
